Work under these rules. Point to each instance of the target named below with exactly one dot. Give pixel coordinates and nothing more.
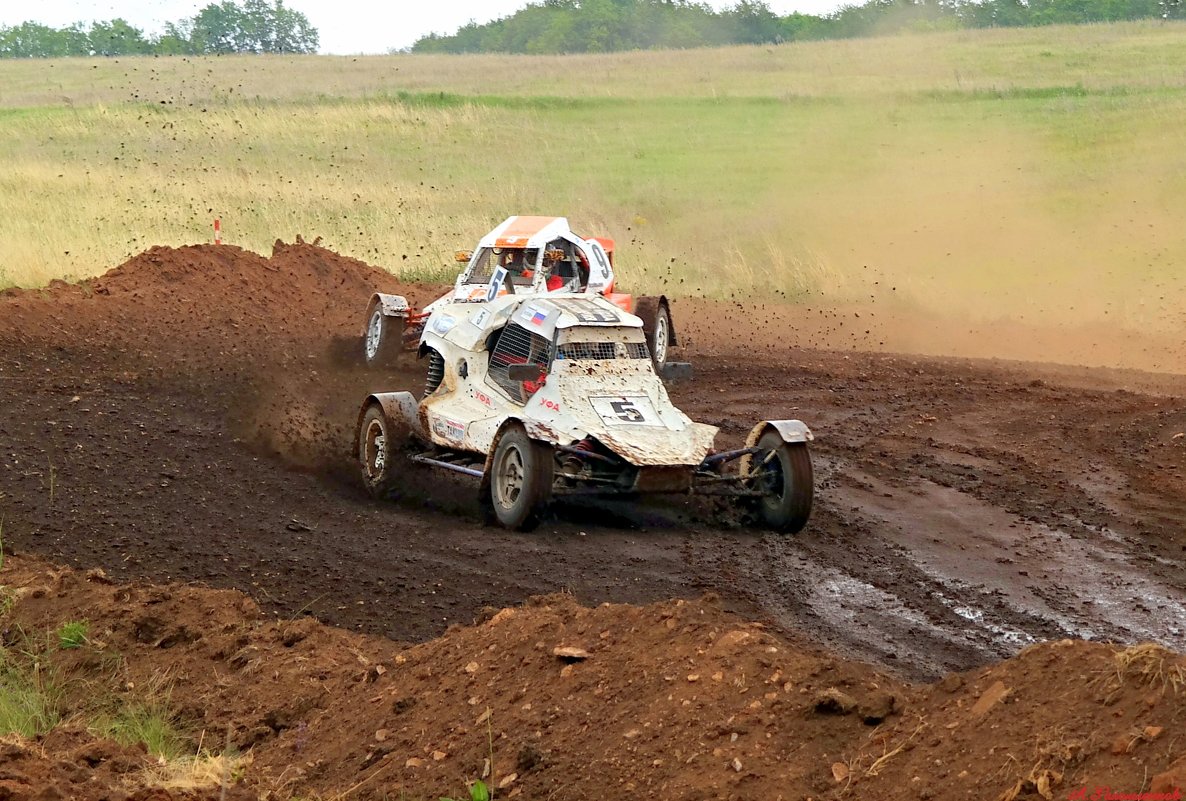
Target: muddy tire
(787, 476)
(382, 337)
(657, 327)
(520, 481)
(380, 441)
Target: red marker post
(217, 231)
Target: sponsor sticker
(449, 429)
(538, 318)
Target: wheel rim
(509, 477)
(374, 333)
(375, 444)
(771, 480)
(661, 339)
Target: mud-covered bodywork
(598, 381)
(544, 395)
(553, 394)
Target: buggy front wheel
(382, 338)
(520, 480)
(782, 471)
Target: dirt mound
(205, 303)
(273, 341)
(552, 699)
(1061, 720)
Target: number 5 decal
(627, 412)
(621, 410)
(500, 275)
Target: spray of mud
(977, 224)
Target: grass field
(1036, 173)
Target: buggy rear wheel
(783, 471)
(379, 443)
(520, 480)
(657, 327)
(383, 337)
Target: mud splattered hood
(624, 405)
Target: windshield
(520, 263)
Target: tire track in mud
(931, 550)
(856, 592)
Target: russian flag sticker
(538, 318)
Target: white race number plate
(625, 410)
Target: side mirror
(463, 256)
(524, 372)
(676, 371)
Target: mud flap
(789, 430)
(393, 305)
(399, 408)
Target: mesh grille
(488, 261)
(601, 350)
(587, 350)
(483, 269)
(637, 350)
(517, 345)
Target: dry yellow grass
(202, 771)
(1149, 54)
(1037, 175)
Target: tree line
(256, 26)
(594, 26)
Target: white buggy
(543, 256)
(549, 394)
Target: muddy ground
(187, 417)
(672, 700)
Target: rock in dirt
(834, 702)
(996, 693)
(877, 707)
(951, 682)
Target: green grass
(35, 690)
(30, 695)
(1037, 174)
(151, 723)
(1135, 54)
(73, 634)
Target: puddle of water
(986, 548)
(849, 604)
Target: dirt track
(188, 417)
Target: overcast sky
(346, 26)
